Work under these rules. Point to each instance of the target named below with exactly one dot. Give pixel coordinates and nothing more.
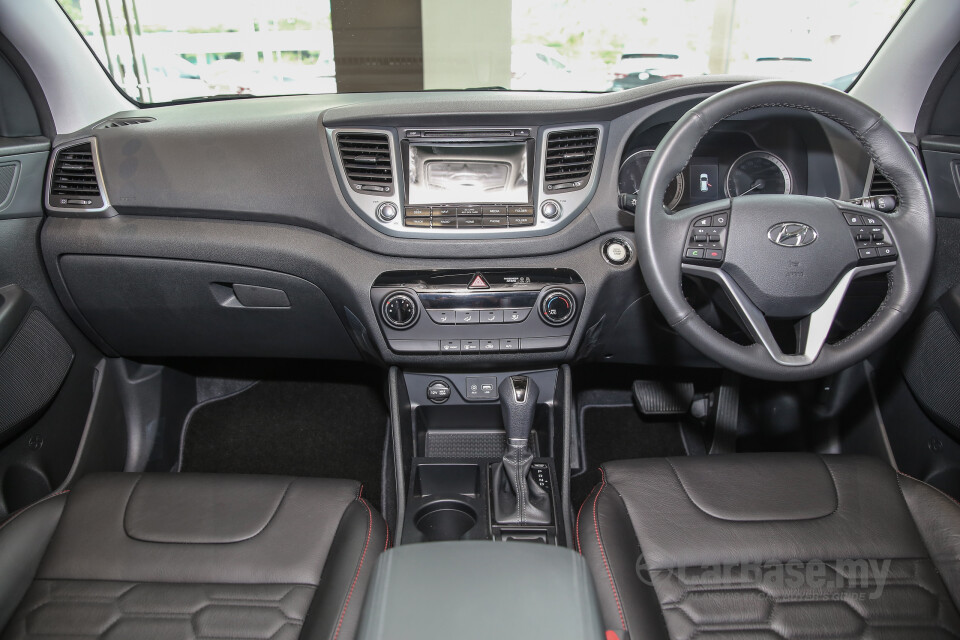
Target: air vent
(570, 158)
(881, 186)
(124, 122)
(366, 161)
(74, 183)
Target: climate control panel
(465, 312)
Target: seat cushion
(190, 556)
(771, 545)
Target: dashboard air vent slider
(74, 180)
(366, 161)
(570, 159)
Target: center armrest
(482, 590)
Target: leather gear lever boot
(517, 498)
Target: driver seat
(771, 546)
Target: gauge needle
(759, 184)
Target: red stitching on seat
(386, 543)
(18, 512)
(359, 566)
(579, 548)
(941, 492)
(603, 555)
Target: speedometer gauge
(758, 172)
(631, 173)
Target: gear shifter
(517, 498)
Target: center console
(471, 312)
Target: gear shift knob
(518, 404)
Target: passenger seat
(189, 556)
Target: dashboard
(356, 226)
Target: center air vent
(124, 122)
(366, 161)
(74, 181)
(570, 158)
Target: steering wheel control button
(696, 254)
(713, 254)
(515, 315)
(399, 310)
(704, 222)
(387, 211)
(550, 209)
(707, 239)
(438, 391)
(557, 307)
(867, 254)
(857, 220)
(887, 252)
(720, 220)
(616, 251)
(449, 346)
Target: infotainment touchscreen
(483, 173)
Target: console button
(469, 211)
(543, 344)
(616, 252)
(444, 211)
(490, 346)
(438, 391)
(442, 316)
(515, 315)
(446, 222)
(468, 316)
(522, 210)
(482, 388)
(415, 346)
(494, 221)
(417, 212)
(550, 209)
(494, 210)
(387, 211)
(469, 346)
(521, 221)
(399, 310)
(417, 222)
(509, 344)
(467, 223)
(557, 308)
(491, 315)
(449, 346)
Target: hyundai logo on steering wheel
(792, 234)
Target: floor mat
(318, 429)
(620, 433)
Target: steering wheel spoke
(812, 330)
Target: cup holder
(445, 520)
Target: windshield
(164, 50)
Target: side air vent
(880, 186)
(366, 161)
(570, 159)
(74, 183)
(124, 122)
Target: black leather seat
(771, 545)
(189, 556)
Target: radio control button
(468, 316)
(515, 315)
(494, 210)
(387, 211)
(446, 222)
(472, 222)
(520, 210)
(417, 222)
(469, 211)
(444, 211)
(491, 315)
(521, 221)
(417, 212)
(494, 221)
(550, 209)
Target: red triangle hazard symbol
(478, 283)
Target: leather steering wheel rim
(662, 236)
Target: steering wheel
(788, 257)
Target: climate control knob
(399, 310)
(557, 307)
